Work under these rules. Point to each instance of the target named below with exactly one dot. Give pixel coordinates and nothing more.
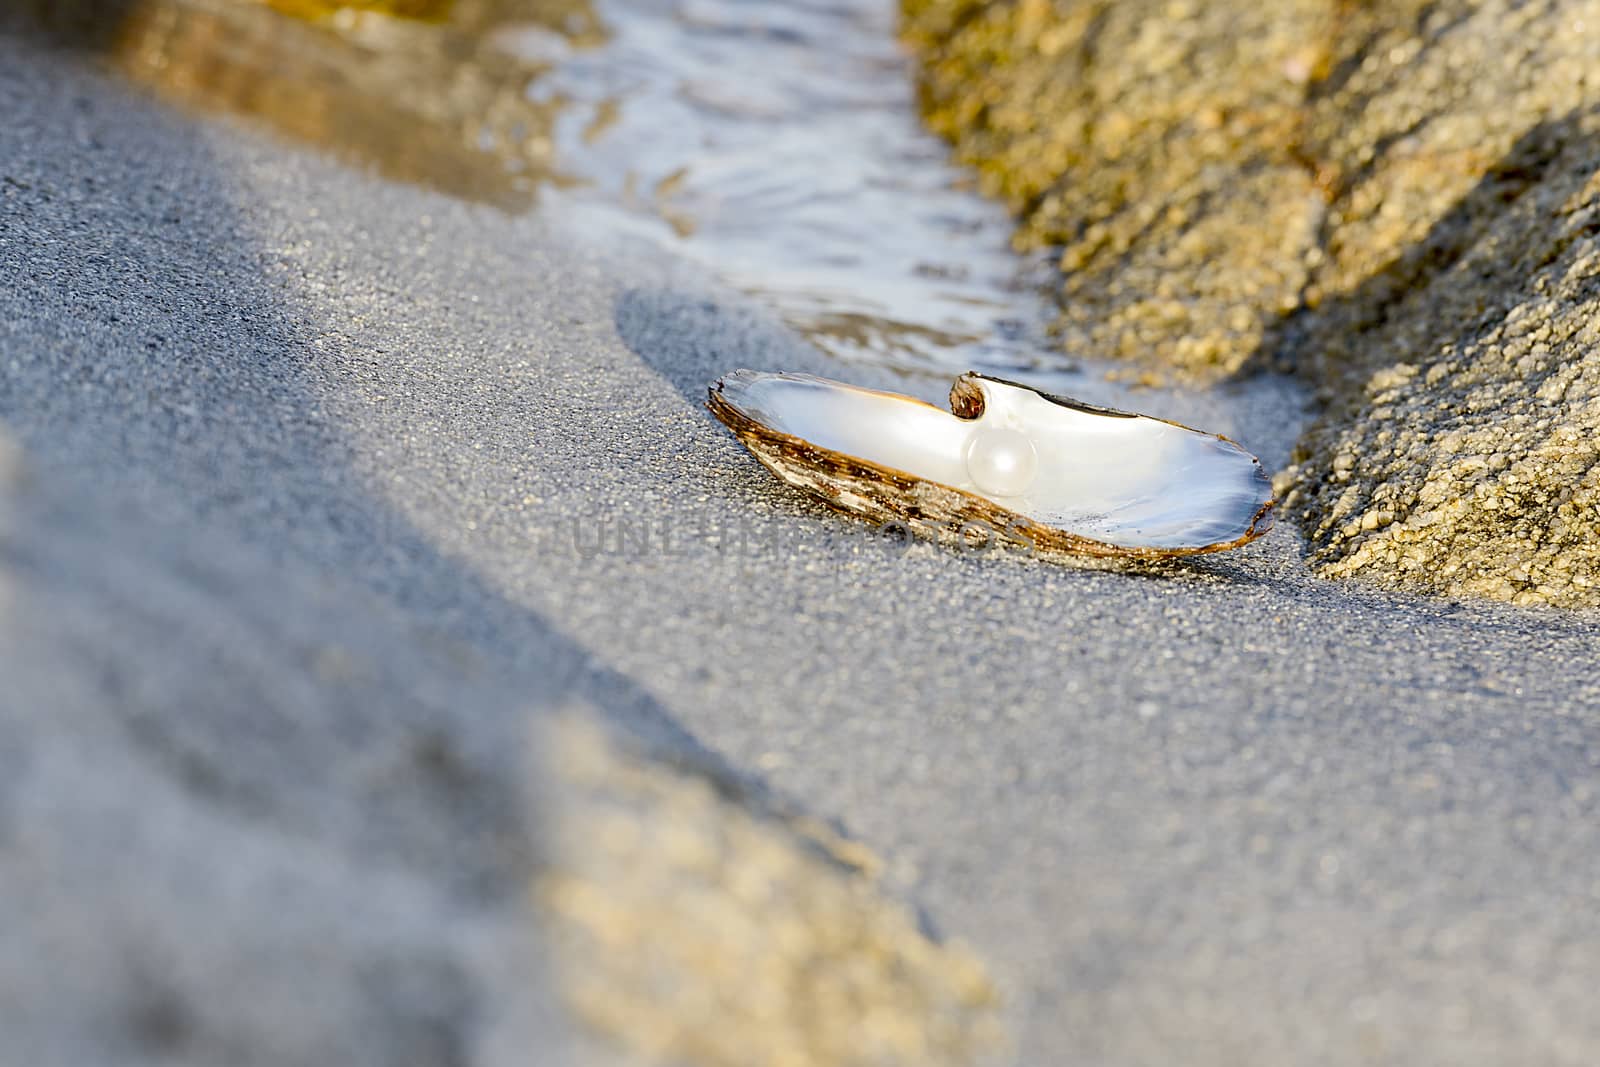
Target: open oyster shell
(1062, 477)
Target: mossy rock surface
(1396, 200)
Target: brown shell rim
(743, 427)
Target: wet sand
(294, 446)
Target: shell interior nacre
(1122, 481)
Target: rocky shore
(1400, 202)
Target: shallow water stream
(776, 143)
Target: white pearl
(1001, 462)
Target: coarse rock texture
(1155, 144)
(1373, 194)
(1476, 467)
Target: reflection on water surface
(780, 139)
(774, 141)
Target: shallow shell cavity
(1123, 480)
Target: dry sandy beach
(321, 494)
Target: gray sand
(300, 540)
